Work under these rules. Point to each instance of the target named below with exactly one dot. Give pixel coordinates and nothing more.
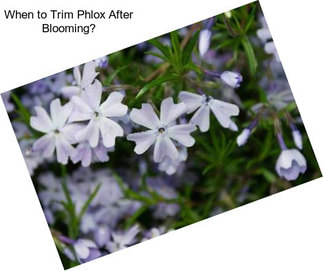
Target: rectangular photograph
(161, 135)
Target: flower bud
(232, 79)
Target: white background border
(281, 232)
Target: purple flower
(265, 37)
(51, 193)
(38, 87)
(154, 232)
(161, 131)
(102, 235)
(290, 164)
(58, 134)
(231, 79)
(243, 137)
(85, 154)
(102, 62)
(122, 239)
(204, 41)
(297, 137)
(88, 107)
(223, 111)
(7, 103)
(166, 190)
(82, 82)
(270, 49)
(86, 250)
(32, 159)
(170, 166)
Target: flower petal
(204, 41)
(70, 91)
(263, 34)
(81, 111)
(112, 107)
(101, 152)
(243, 137)
(143, 140)
(223, 111)
(191, 100)
(291, 173)
(92, 95)
(109, 130)
(46, 145)
(63, 149)
(164, 147)
(81, 249)
(77, 75)
(232, 79)
(42, 121)
(60, 113)
(201, 118)
(89, 74)
(169, 111)
(145, 116)
(90, 133)
(181, 133)
(82, 153)
(69, 131)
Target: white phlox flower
(161, 131)
(81, 82)
(86, 250)
(88, 107)
(170, 166)
(265, 36)
(270, 49)
(59, 135)
(243, 137)
(32, 159)
(231, 79)
(297, 137)
(290, 164)
(204, 41)
(223, 111)
(85, 154)
(121, 240)
(102, 62)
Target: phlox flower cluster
(85, 128)
(160, 135)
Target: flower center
(96, 114)
(56, 131)
(161, 130)
(206, 99)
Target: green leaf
(263, 96)
(176, 45)
(226, 43)
(187, 52)
(21, 108)
(165, 50)
(88, 202)
(131, 220)
(112, 76)
(208, 168)
(269, 176)
(193, 67)
(156, 55)
(250, 55)
(251, 18)
(154, 83)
